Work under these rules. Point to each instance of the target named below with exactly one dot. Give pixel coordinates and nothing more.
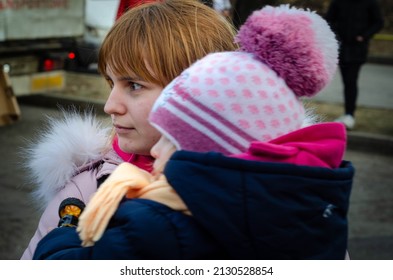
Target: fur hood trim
(66, 145)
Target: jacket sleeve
(139, 229)
(118, 241)
(376, 21)
(61, 243)
(50, 217)
(64, 244)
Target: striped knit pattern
(224, 102)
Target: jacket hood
(66, 146)
(320, 145)
(266, 206)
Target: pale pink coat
(66, 161)
(82, 186)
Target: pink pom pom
(297, 44)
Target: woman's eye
(135, 86)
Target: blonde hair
(157, 41)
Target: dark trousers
(350, 75)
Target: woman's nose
(114, 104)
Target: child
(146, 48)
(250, 178)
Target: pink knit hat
(226, 100)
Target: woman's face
(129, 105)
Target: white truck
(40, 40)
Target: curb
(57, 101)
(358, 141)
(369, 142)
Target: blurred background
(381, 48)
(42, 42)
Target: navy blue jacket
(241, 210)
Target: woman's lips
(121, 129)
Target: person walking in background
(354, 22)
(249, 176)
(147, 47)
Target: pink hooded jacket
(320, 145)
(66, 161)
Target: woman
(145, 49)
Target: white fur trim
(66, 144)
